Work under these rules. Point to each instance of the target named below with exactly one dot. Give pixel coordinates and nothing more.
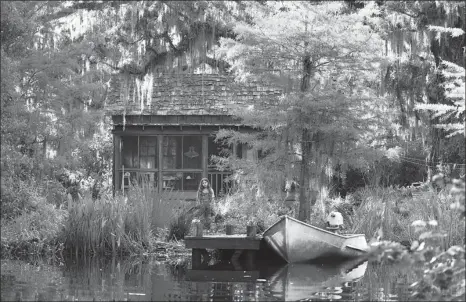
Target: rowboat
(296, 241)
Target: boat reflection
(288, 282)
(304, 281)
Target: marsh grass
(124, 224)
(395, 210)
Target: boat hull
(296, 241)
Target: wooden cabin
(164, 126)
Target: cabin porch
(173, 154)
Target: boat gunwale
(314, 227)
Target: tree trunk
(304, 205)
(434, 153)
(306, 147)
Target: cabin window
(139, 152)
(182, 162)
(139, 160)
(148, 152)
(130, 152)
(182, 152)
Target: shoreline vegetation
(422, 227)
(145, 221)
(339, 105)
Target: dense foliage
(373, 97)
(393, 111)
(54, 133)
(329, 75)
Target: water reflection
(288, 282)
(145, 279)
(304, 281)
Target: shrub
(245, 208)
(54, 192)
(18, 196)
(34, 231)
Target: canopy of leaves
(344, 57)
(422, 37)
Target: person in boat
(335, 222)
(205, 197)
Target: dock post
(229, 229)
(196, 254)
(199, 229)
(251, 231)
(250, 259)
(250, 254)
(196, 258)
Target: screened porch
(171, 162)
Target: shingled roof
(184, 94)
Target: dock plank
(227, 242)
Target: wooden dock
(223, 242)
(240, 243)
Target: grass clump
(395, 209)
(121, 224)
(438, 265)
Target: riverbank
(161, 250)
(147, 222)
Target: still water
(143, 279)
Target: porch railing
(219, 180)
(220, 183)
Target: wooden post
(205, 156)
(196, 258)
(199, 229)
(159, 163)
(251, 231)
(250, 259)
(229, 229)
(116, 162)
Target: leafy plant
(440, 269)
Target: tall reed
(121, 224)
(395, 211)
